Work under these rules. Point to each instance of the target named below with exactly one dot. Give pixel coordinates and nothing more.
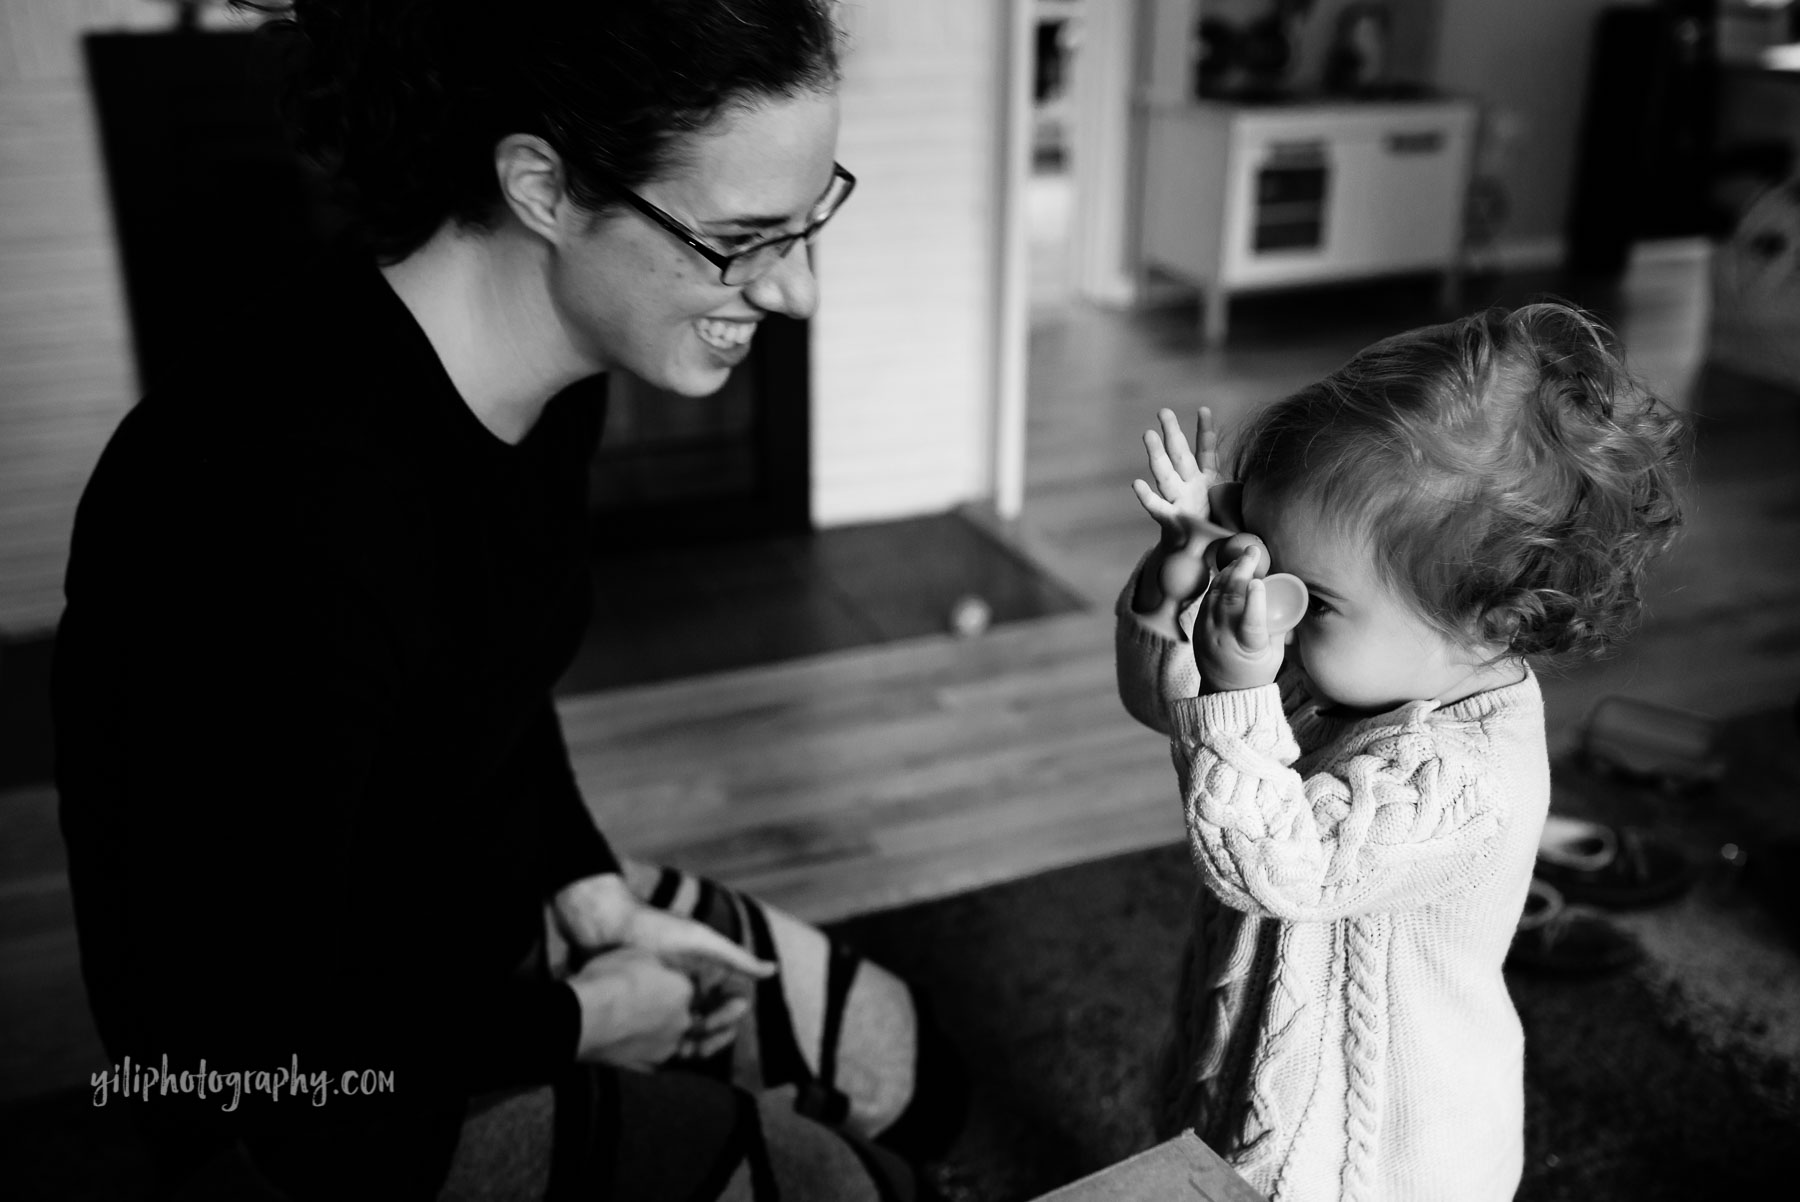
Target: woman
(314, 790)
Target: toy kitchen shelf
(1245, 196)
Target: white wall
(903, 344)
(904, 352)
(1526, 60)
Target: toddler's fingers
(1208, 440)
(1154, 503)
(1235, 595)
(1177, 443)
(1243, 568)
(1162, 469)
(1253, 623)
(1225, 601)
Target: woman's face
(632, 295)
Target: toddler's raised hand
(1233, 647)
(1179, 501)
(1183, 503)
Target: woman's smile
(729, 337)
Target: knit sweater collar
(1477, 707)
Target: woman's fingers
(721, 1019)
(692, 946)
(714, 1025)
(635, 1008)
(700, 1044)
(712, 1045)
(707, 944)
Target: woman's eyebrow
(751, 223)
(769, 222)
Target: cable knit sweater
(1342, 1029)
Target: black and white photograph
(899, 600)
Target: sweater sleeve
(1392, 821)
(572, 846)
(1153, 671)
(227, 761)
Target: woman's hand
(636, 1011)
(1232, 645)
(592, 913)
(601, 912)
(693, 947)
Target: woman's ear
(533, 184)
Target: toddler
(1364, 794)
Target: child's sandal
(1605, 865)
(1554, 938)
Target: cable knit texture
(1342, 1026)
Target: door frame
(1106, 154)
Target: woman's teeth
(726, 335)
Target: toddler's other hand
(1232, 645)
(1182, 502)
(1179, 502)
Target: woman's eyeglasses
(739, 267)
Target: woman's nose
(788, 288)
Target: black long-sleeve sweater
(313, 787)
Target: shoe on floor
(1553, 938)
(1601, 865)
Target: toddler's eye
(1317, 607)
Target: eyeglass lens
(749, 264)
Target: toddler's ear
(1504, 623)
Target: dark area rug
(1057, 988)
(665, 612)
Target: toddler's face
(1363, 646)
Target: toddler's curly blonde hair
(1514, 479)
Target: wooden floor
(880, 776)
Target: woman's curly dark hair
(1515, 480)
(402, 101)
